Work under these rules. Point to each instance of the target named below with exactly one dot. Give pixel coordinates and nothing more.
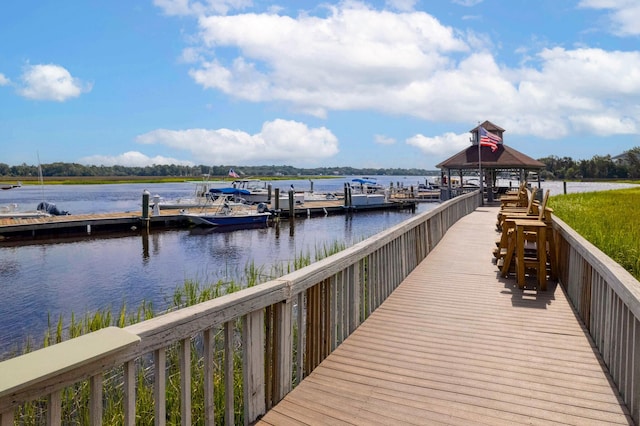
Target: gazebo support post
(489, 181)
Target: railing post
(229, 409)
(283, 347)
(208, 360)
(160, 386)
(354, 286)
(129, 393)
(6, 418)
(185, 381)
(54, 409)
(95, 399)
(253, 365)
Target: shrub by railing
(250, 347)
(607, 299)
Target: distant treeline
(79, 170)
(625, 166)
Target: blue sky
(395, 83)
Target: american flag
(232, 173)
(489, 139)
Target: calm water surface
(89, 274)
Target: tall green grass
(75, 399)
(610, 220)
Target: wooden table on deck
(538, 227)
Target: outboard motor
(51, 209)
(261, 208)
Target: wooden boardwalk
(458, 344)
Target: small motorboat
(223, 211)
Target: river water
(55, 278)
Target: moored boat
(12, 211)
(257, 190)
(200, 196)
(10, 186)
(224, 211)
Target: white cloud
(447, 144)
(624, 15)
(197, 8)
(467, 3)
(401, 5)
(131, 159)
(578, 83)
(51, 83)
(604, 125)
(4, 80)
(384, 140)
(278, 141)
(354, 57)
(351, 59)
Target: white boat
(366, 186)
(258, 192)
(224, 212)
(12, 211)
(10, 186)
(200, 196)
(309, 196)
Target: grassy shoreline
(97, 180)
(607, 219)
(75, 399)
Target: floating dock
(15, 229)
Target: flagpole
(480, 168)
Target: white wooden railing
(283, 329)
(607, 299)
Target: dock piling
(145, 208)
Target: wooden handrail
(606, 297)
(331, 297)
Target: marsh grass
(608, 219)
(75, 399)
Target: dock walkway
(457, 344)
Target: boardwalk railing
(607, 299)
(266, 337)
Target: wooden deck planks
(458, 344)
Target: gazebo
(487, 156)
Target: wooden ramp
(458, 344)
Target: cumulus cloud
(604, 124)
(4, 80)
(401, 5)
(353, 57)
(578, 83)
(624, 15)
(50, 83)
(384, 140)
(278, 141)
(131, 159)
(447, 144)
(467, 3)
(197, 8)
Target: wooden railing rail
(607, 299)
(283, 329)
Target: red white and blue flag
(489, 139)
(232, 173)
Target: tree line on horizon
(626, 166)
(60, 169)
